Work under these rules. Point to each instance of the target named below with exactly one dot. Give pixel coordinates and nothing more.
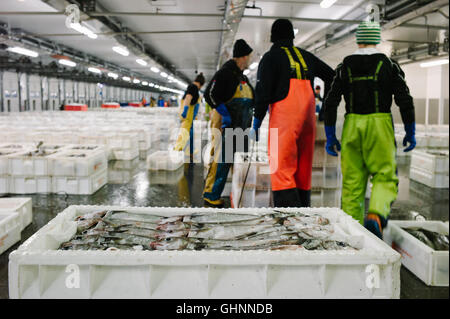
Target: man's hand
(226, 117)
(332, 141)
(254, 132)
(185, 111)
(410, 137)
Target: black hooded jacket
(391, 82)
(274, 74)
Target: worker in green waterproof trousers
(368, 79)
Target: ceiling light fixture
(136, 81)
(164, 74)
(433, 63)
(144, 83)
(23, 51)
(254, 65)
(67, 62)
(154, 69)
(141, 62)
(126, 78)
(113, 75)
(84, 30)
(94, 70)
(327, 3)
(121, 50)
(247, 72)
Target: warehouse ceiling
(182, 37)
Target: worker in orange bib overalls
(285, 82)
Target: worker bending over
(367, 79)
(285, 82)
(231, 96)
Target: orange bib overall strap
(294, 118)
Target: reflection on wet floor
(132, 185)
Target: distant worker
(160, 101)
(367, 79)
(144, 101)
(285, 81)
(231, 96)
(319, 98)
(152, 101)
(190, 105)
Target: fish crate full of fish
(424, 248)
(203, 253)
(20, 205)
(251, 185)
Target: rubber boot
(286, 198)
(305, 197)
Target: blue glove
(410, 137)
(226, 117)
(332, 141)
(254, 132)
(185, 111)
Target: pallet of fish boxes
(255, 190)
(325, 254)
(79, 169)
(424, 248)
(430, 167)
(122, 172)
(30, 171)
(20, 205)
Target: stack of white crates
(79, 170)
(326, 174)
(428, 137)
(7, 150)
(165, 160)
(430, 167)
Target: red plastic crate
(76, 107)
(135, 104)
(110, 105)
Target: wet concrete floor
(130, 184)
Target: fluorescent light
(141, 62)
(144, 83)
(327, 3)
(94, 70)
(154, 69)
(67, 62)
(171, 78)
(433, 63)
(113, 75)
(152, 85)
(156, 86)
(295, 31)
(82, 29)
(246, 72)
(126, 78)
(121, 50)
(253, 65)
(164, 74)
(23, 51)
(136, 81)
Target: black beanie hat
(282, 29)
(241, 48)
(200, 79)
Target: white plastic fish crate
(4, 184)
(432, 161)
(430, 179)
(21, 205)
(165, 177)
(438, 140)
(66, 163)
(121, 176)
(4, 160)
(326, 198)
(38, 270)
(30, 184)
(22, 165)
(124, 154)
(322, 158)
(427, 264)
(326, 177)
(79, 185)
(10, 228)
(165, 160)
